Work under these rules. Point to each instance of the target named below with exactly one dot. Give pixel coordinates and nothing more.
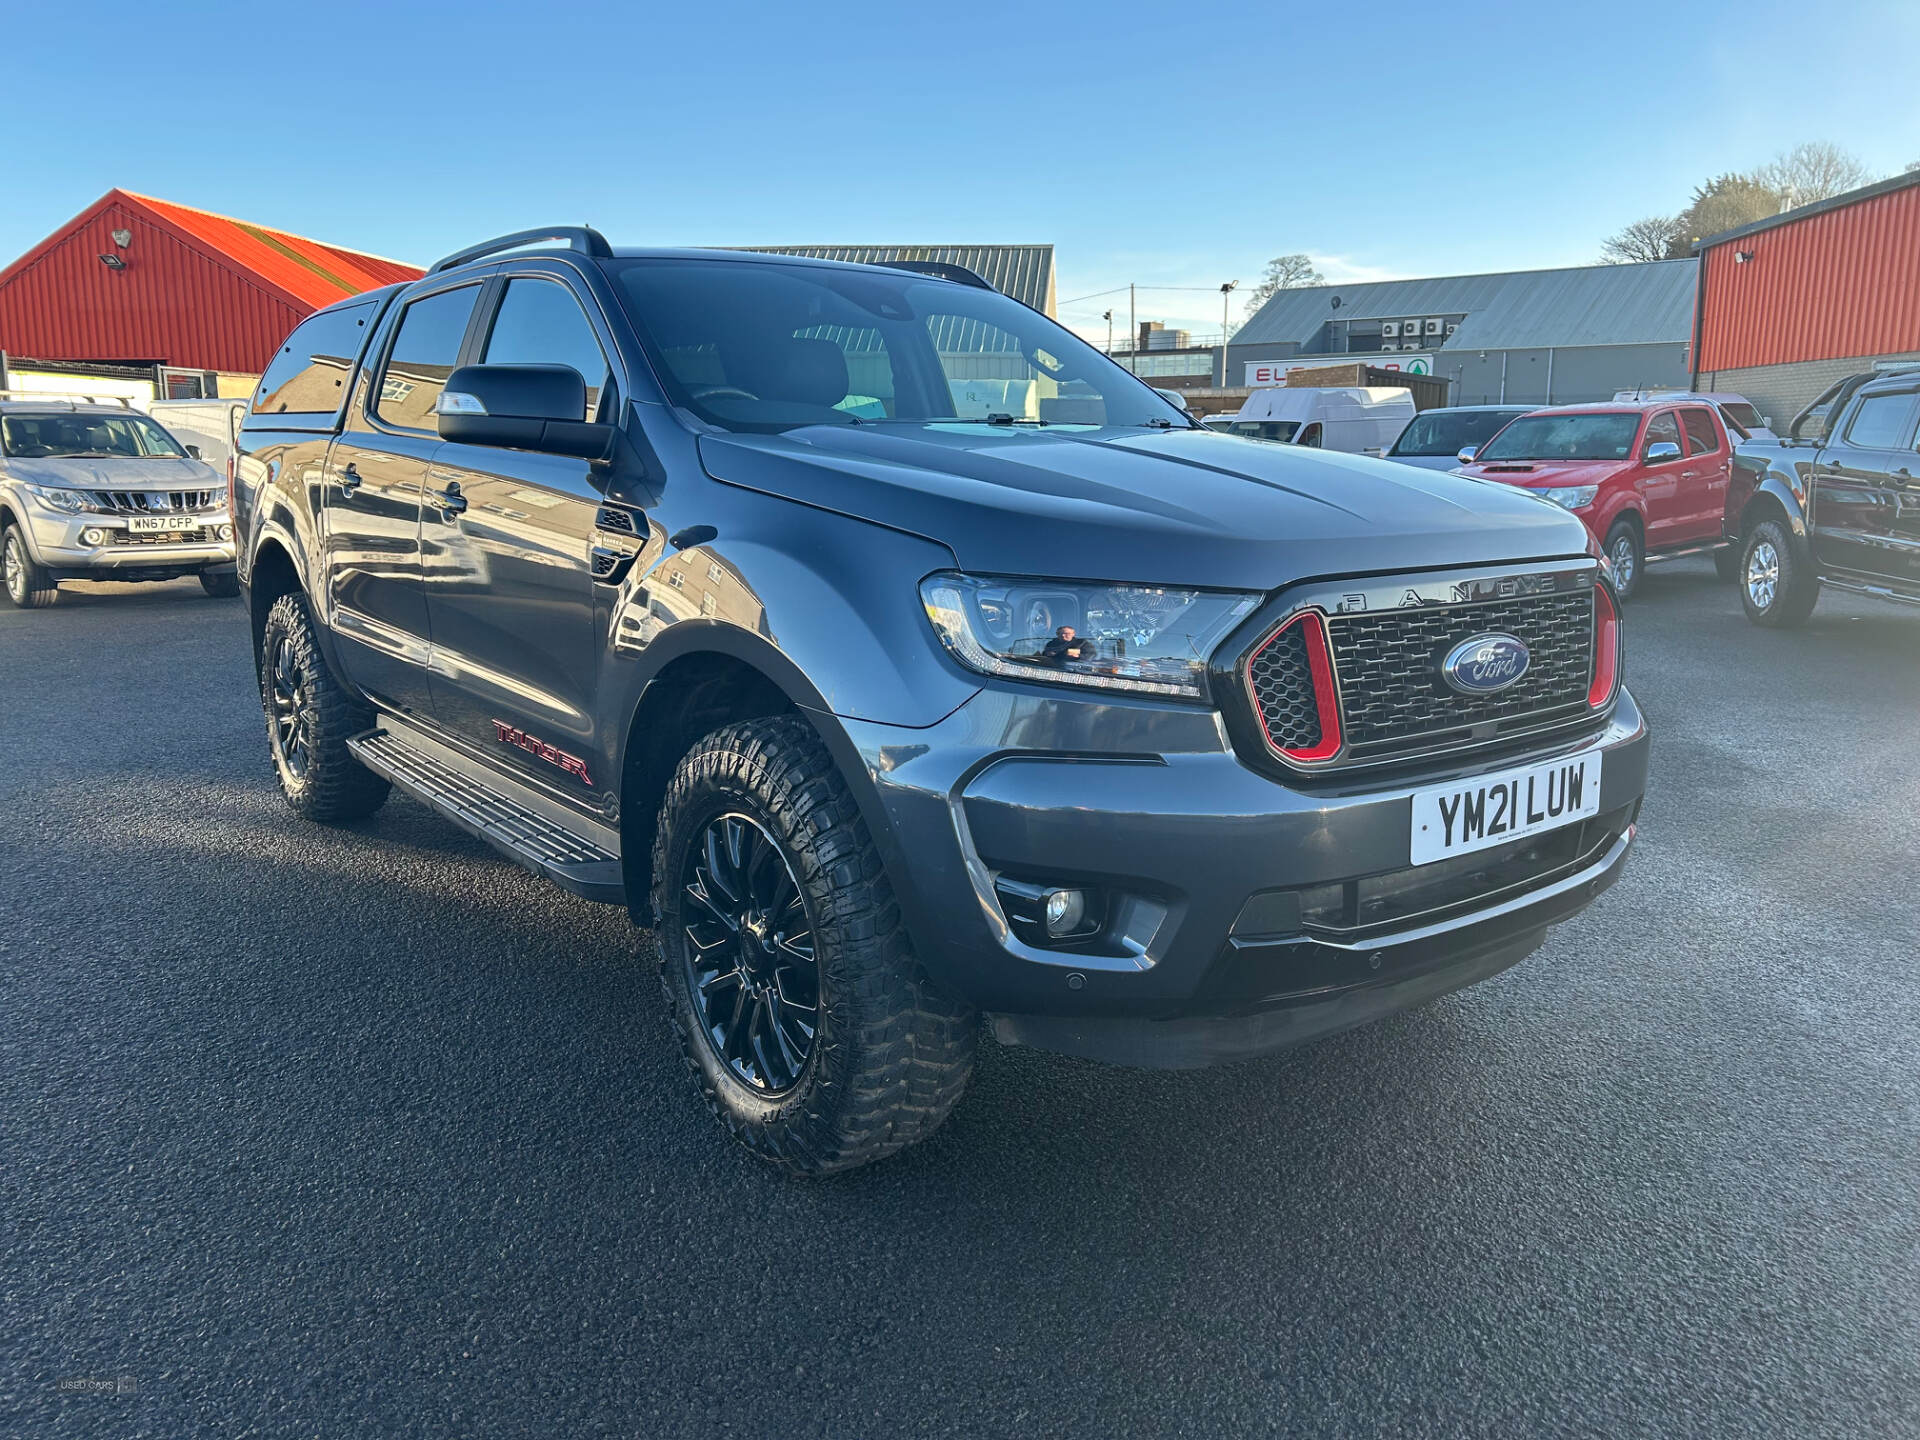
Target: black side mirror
(521, 407)
(194, 451)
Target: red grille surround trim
(1326, 696)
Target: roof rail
(940, 270)
(62, 397)
(585, 240)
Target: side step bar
(1659, 556)
(576, 853)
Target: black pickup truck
(906, 664)
(1836, 502)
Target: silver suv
(94, 490)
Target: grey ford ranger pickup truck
(910, 668)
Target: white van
(211, 427)
(1357, 419)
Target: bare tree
(1725, 202)
(1811, 172)
(1653, 238)
(1284, 272)
(1805, 174)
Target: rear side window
(307, 379)
(424, 351)
(1881, 421)
(540, 323)
(1662, 428)
(1702, 438)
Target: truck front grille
(152, 502)
(1393, 697)
(1393, 700)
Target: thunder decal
(512, 735)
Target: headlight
(1569, 497)
(65, 502)
(1144, 638)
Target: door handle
(350, 479)
(1686, 474)
(450, 499)
(1901, 478)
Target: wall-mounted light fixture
(1741, 257)
(112, 261)
(123, 238)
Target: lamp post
(1225, 290)
(1108, 317)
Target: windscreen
(75, 436)
(1280, 430)
(1448, 432)
(1565, 437)
(758, 346)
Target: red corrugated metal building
(138, 281)
(1794, 302)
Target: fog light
(1049, 915)
(93, 535)
(1065, 910)
(226, 532)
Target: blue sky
(1166, 145)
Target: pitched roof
(312, 272)
(1023, 271)
(1523, 309)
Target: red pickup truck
(1649, 479)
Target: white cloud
(1342, 270)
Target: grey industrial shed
(1023, 271)
(1530, 336)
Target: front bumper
(1162, 813)
(55, 542)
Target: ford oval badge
(1485, 663)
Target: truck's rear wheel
(1776, 589)
(27, 584)
(813, 1034)
(309, 717)
(220, 584)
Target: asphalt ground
(367, 1132)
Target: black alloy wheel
(289, 710)
(749, 954)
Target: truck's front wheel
(309, 717)
(27, 585)
(1775, 588)
(813, 1034)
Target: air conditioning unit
(1451, 327)
(1412, 345)
(1390, 329)
(1434, 327)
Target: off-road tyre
(890, 1054)
(1627, 553)
(1777, 587)
(220, 584)
(329, 786)
(25, 583)
(1726, 562)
